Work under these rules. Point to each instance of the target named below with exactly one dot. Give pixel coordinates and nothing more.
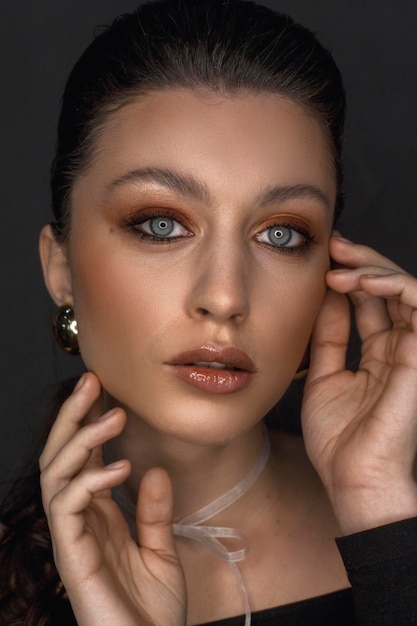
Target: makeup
(214, 369)
(196, 249)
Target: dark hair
(223, 45)
(31, 592)
(229, 46)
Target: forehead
(243, 142)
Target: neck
(199, 473)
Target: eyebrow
(184, 184)
(281, 193)
(188, 186)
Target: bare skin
(288, 503)
(226, 285)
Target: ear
(55, 267)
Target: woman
(195, 188)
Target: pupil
(280, 236)
(161, 227)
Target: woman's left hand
(360, 427)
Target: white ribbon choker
(211, 536)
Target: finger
(401, 314)
(155, 512)
(371, 314)
(348, 280)
(82, 400)
(352, 254)
(397, 288)
(74, 455)
(400, 292)
(393, 285)
(66, 508)
(330, 337)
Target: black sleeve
(382, 568)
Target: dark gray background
(375, 45)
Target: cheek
(119, 305)
(291, 312)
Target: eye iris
(161, 226)
(279, 236)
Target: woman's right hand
(109, 578)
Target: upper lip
(229, 355)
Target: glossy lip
(209, 380)
(231, 356)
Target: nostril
(203, 312)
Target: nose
(220, 286)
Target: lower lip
(212, 380)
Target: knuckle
(43, 461)
(55, 505)
(44, 479)
(46, 490)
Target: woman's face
(199, 233)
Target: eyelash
(309, 239)
(133, 223)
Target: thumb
(154, 513)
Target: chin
(205, 422)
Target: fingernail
(79, 384)
(149, 475)
(107, 415)
(343, 239)
(114, 466)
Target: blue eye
(280, 236)
(162, 227)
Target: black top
(333, 609)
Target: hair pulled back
(229, 46)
